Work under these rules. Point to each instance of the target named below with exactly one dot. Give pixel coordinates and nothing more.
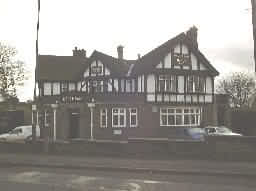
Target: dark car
(190, 134)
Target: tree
(12, 72)
(239, 86)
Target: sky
(224, 29)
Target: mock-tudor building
(169, 88)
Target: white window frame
(104, 112)
(119, 113)
(133, 114)
(167, 79)
(193, 111)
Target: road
(43, 179)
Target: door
(74, 124)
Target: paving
(168, 166)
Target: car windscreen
(15, 131)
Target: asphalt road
(42, 179)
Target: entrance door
(74, 124)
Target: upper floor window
(167, 83)
(72, 86)
(130, 85)
(64, 87)
(56, 88)
(97, 86)
(47, 88)
(96, 70)
(195, 84)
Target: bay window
(180, 116)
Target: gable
(180, 56)
(96, 68)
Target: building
(169, 88)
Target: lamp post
(54, 107)
(91, 105)
(34, 108)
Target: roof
(59, 68)
(148, 62)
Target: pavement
(163, 166)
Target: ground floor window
(189, 116)
(103, 118)
(118, 117)
(133, 117)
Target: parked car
(190, 134)
(20, 133)
(221, 130)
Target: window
(118, 117)
(47, 89)
(97, 86)
(64, 87)
(56, 88)
(180, 116)
(72, 86)
(196, 84)
(96, 70)
(133, 117)
(167, 83)
(103, 118)
(130, 85)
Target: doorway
(74, 117)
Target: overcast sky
(224, 29)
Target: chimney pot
(120, 52)
(192, 35)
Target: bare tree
(12, 72)
(239, 86)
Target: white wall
(151, 83)
(209, 85)
(180, 84)
(110, 85)
(139, 84)
(167, 61)
(116, 84)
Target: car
(220, 130)
(190, 134)
(20, 133)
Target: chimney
(79, 52)
(192, 35)
(120, 52)
(138, 56)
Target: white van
(19, 133)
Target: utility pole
(36, 75)
(254, 29)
